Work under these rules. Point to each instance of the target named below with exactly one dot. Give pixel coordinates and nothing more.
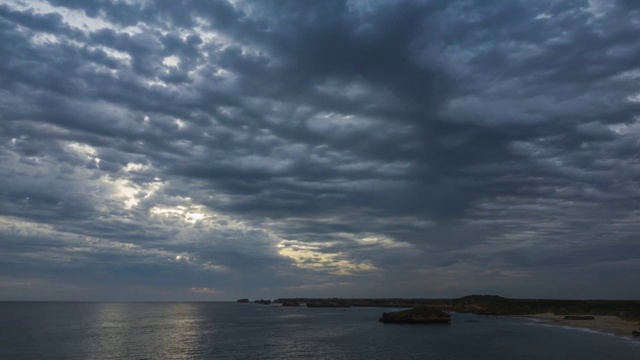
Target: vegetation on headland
(495, 305)
(417, 315)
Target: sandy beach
(610, 324)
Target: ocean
(217, 330)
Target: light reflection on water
(248, 331)
(118, 329)
(107, 321)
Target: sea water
(210, 330)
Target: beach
(604, 323)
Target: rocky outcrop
(419, 315)
(242, 300)
(579, 317)
(263, 302)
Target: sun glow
(188, 214)
(128, 192)
(315, 256)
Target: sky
(214, 150)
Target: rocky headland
(418, 315)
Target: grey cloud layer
(189, 149)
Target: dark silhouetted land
(617, 316)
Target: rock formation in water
(418, 315)
(263, 302)
(242, 300)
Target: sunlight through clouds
(314, 256)
(211, 148)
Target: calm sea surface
(67, 330)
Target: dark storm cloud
(464, 145)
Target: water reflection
(232, 331)
(151, 330)
(109, 330)
(180, 334)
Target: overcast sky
(211, 150)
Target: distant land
(616, 316)
(493, 305)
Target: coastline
(602, 323)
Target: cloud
(205, 291)
(276, 148)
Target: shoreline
(602, 323)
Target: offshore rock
(263, 302)
(242, 300)
(418, 315)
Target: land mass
(616, 316)
(604, 323)
(417, 315)
(494, 305)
